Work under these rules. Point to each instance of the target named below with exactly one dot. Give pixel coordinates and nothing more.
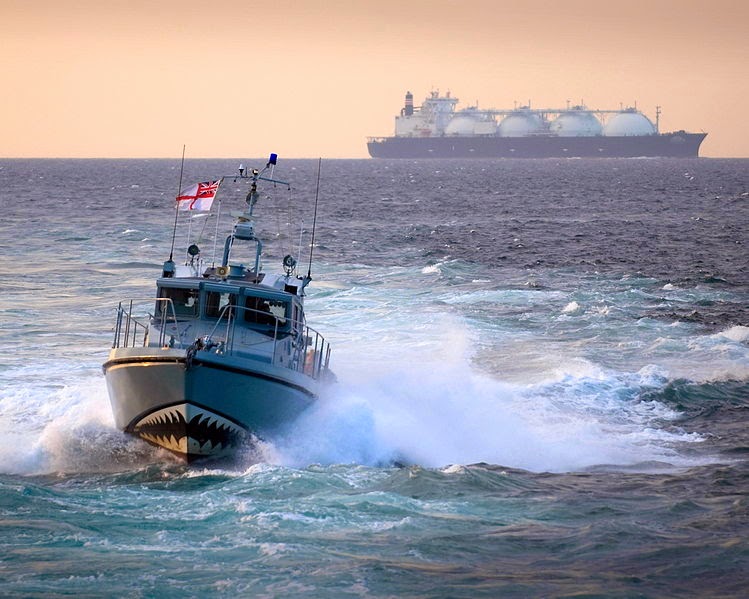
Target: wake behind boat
(223, 352)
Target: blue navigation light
(273, 158)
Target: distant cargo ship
(437, 130)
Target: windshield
(185, 300)
(216, 301)
(262, 310)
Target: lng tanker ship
(436, 130)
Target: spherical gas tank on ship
(485, 127)
(520, 124)
(629, 123)
(577, 123)
(461, 125)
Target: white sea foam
(437, 412)
(431, 269)
(572, 308)
(458, 417)
(701, 358)
(68, 429)
(411, 390)
(740, 334)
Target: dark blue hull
(671, 145)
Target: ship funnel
(408, 109)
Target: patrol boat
(222, 354)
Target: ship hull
(207, 406)
(669, 145)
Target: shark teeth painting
(187, 429)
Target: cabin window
(216, 301)
(261, 310)
(185, 301)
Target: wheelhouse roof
(245, 288)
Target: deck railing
(310, 352)
(133, 331)
(295, 345)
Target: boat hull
(207, 406)
(671, 145)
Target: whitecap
(572, 308)
(431, 269)
(737, 333)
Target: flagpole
(189, 236)
(218, 218)
(176, 207)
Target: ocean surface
(543, 385)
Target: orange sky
(309, 78)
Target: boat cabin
(258, 307)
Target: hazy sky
(309, 78)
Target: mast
(314, 221)
(244, 228)
(168, 270)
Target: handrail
(309, 352)
(136, 326)
(167, 303)
(228, 310)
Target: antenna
(314, 220)
(176, 208)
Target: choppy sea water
(543, 386)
